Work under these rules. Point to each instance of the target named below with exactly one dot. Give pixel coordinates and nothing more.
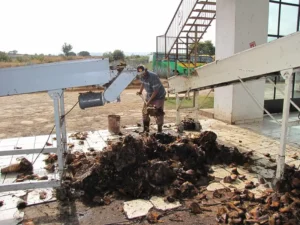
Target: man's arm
(152, 97)
(141, 89)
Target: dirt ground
(32, 114)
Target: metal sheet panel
(51, 76)
(119, 84)
(271, 57)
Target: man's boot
(159, 128)
(146, 126)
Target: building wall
(223, 106)
(225, 30)
(251, 25)
(240, 22)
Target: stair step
(207, 3)
(198, 25)
(201, 18)
(204, 10)
(192, 31)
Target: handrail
(174, 17)
(180, 18)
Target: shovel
(151, 110)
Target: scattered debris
(43, 195)
(153, 216)
(79, 136)
(24, 177)
(294, 156)
(272, 207)
(91, 149)
(23, 166)
(1, 203)
(28, 222)
(17, 147)
(71, 145)
(98, 200)
(189, 124)
(52, 157)
(48, 144)
(195, 208)
(50, 168)
(21, 204)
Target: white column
(240, 23)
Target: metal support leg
(196, 104)
(63, 121)
(55, 95)
(177, 109)
(287, 75)
(194, 99)
(255, 100)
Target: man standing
(155, 96)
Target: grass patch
(170, 103)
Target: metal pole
(168, 75)
(63, 121)
(196, 104)
(55, 95)
(196, 45)
(194, 99)
(205, 98)
(254, 99)
(177, 109)
(292, 102)
(287, 74)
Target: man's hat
(141, 68)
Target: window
(273, 18)
(291, 1)
(284, 17)
(288, 19)
(296, 93)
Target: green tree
(118, 55)
(108, 55)
(4, 57)
(72, 54)
(14, 52)
(205, 48)
(66, 48)
(84, 53)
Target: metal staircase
(189, 24)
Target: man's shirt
(152, 83)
